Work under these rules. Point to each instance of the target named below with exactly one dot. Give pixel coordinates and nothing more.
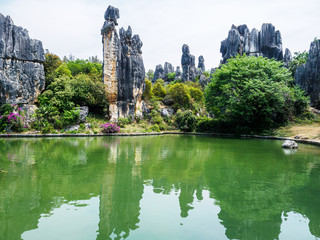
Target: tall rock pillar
(123, 68)
(111, 58)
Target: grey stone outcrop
(158, 73)
(162, 72)
(287, 58)
(83, 113)
(290, 144)
(307, 76)
(22, 76)
(266, 43)
(201, 65)
(123, 68)
(189, 70)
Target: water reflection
(254, 183)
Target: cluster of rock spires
(123, 68)
(307, 76)
(22, 76)
(189, 69)
(267, 43)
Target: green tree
(159, 91)
(171, 76)
(50, 65)
(299, 59)
(253, 93)
(179, 93)
(147, 94)
(150, 75)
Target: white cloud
(73, 26)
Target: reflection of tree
(252, 185)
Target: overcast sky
(73, 26)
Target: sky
(73, 26)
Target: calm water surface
(158, 187)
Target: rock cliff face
(22, 75)
(123, 68)
(201, 65)
(266, 43)
(158, 73)
(307, 76)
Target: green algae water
(158, 187)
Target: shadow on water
(254, 182)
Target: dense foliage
(299, 59)
(253, 93)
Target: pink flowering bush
(11, 118)
(110, 128)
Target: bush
(11, 118)
(158, 90)
(186, 121)
(155, 128)
(147, 94)
(110, 128)
(180, 95)
(253, 93)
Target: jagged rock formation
(162, 72)
(287, 58)
(178, 72)
(22, 76)
(168, 68)
(307, 76)
(201, 65)
(158, 73)
(266, 43)
(123, 68)
(188, 64)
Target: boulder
(123, 68)
(83, 113)
(290, 144)
(307, 76)
(22, 76)
(166, 112)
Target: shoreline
(311, 142)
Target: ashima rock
(123, 68)
(22, 76)
(307, 76)
(266, 43)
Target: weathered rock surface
(267, 42)
(307, 76)
(188, 64)
(168, 68)
(162, 72)
(158, 73)
(201, 65)
(290, 144)
(178, 72)
(83, 113)
(22, 76)
(123, 68)
(287, 58)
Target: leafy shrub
(122, 122)
(299, 59)
(180, 95)
(155, 128)
(253, 93)
(186, 121)
(70, 117)
(147, 94)
(158, 90)
(110, 128)
(11, 118)
(171, 76)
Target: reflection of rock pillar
(110, 42)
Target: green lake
(158, 187)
